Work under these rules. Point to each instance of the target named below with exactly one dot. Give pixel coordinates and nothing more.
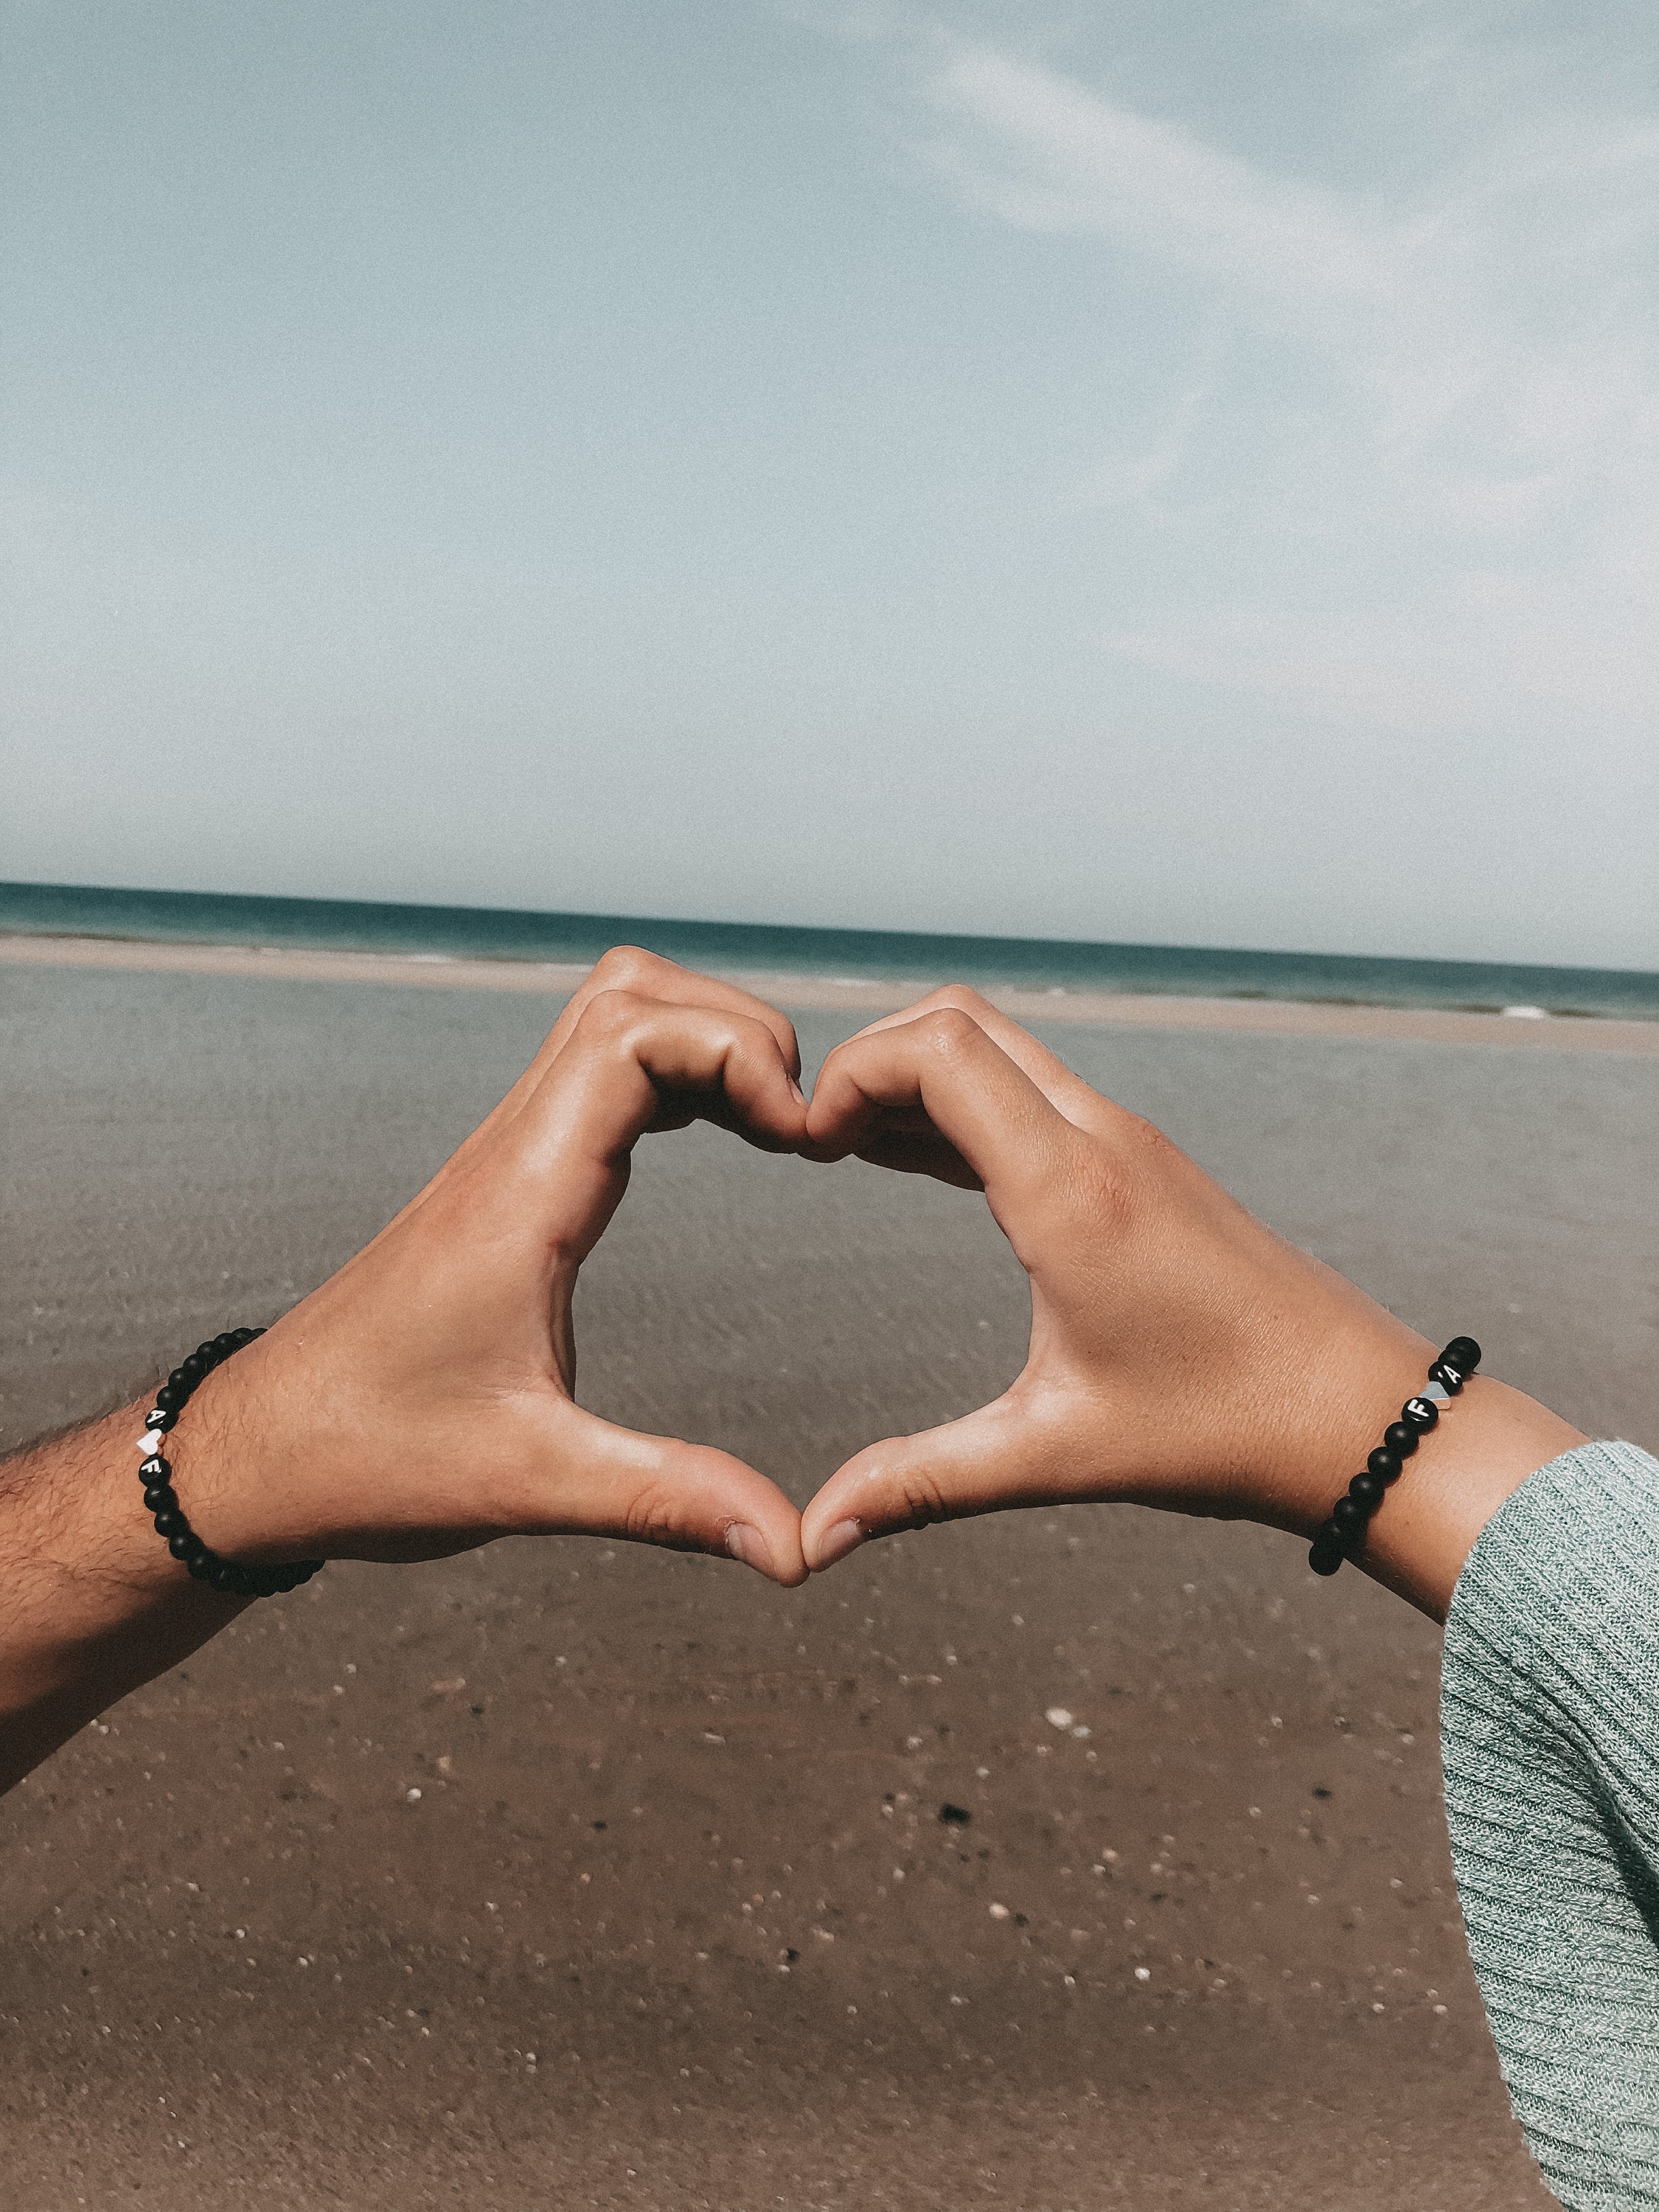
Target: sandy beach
(571, 1875)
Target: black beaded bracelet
(1343, 1534)
(185, 1546)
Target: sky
(1157, 471)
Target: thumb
(600, 1479)
(1011, 1452)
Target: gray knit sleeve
(1550, 1736)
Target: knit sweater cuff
(1549, 1738)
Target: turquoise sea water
(1031, 963)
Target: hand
(423, 1399)
(1182, 1354)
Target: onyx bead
(167, 1399)
(1348, 1516)
(222, 1576)
(1327, 1553)
(1420, 1413)
(1464, 1353)
(199, 1567)
(185, 1545)
(1384, 1463)
(158, 1496)
(169, 1521)
(1400, 1437)
(1367, 1490)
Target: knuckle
(654, 1518)
(626, 966)
(609, 1016)
(1105, 1188)
(958, 997)
(916, 1493)
(1146, 1141)
(948, 1030)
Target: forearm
(94, 1604)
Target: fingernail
(846, 1536)
(748, 1544)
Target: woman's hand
(1182, 1354)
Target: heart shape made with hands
(431, 1382)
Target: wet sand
(679, 1835)
(1524, 1026)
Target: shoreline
(1528, 1028)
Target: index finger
(629, 1059)
(944, 1064)
(671, 986)
(1066, 1091)
(630, 968)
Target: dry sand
(679, 1835)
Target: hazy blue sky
(1168, 471)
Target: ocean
(868, 955)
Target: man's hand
(422, 1400)
(1182, 1355)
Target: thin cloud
(1074, 161)
(1482, 453)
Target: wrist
(1490, 1437)
(230, 1457)
(1479, 1454)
